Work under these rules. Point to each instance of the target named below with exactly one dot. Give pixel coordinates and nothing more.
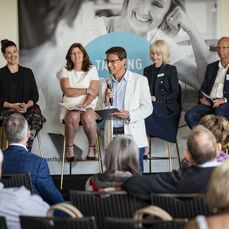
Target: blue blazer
(209, 80)
(166, 87)
(18, 160)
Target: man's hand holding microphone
(109, 101)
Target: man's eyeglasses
(222, 47)
(111, 61)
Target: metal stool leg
(169, 156)
(1, 132)
(39, 144)
(4, 142)
(62, 164)
(150, 156)
(178, 154)
(100, 161)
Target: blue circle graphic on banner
(137, 49)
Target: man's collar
(210, 164)
(125, 77)
(18, 144)
(221, 66)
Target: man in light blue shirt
(130, 94)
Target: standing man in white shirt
(19, 201)
(214, 92)
(129, 93)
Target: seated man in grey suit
(17, 159)
(202, 150)
(19, 201)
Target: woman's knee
(72, 118)
(88, 118)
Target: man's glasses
(222, 47)
(111, 61)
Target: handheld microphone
(109, 86)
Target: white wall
(8, 22)
(223, 17)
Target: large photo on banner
(47, 28)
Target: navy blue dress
(163, 82)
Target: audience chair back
(127, 223)
(17, 180)
(106, 204)
(3, 222)
(29, 222)
(182, 205)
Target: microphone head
(109, 83)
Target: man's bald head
(201, 144)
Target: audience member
(79, 83)
(19, 201)
(17, 159)
(218, 201)
(201, 150)
(214, 91)
(121, 162)
(219, 126)
(18, 91)
(164, 89)
(130, 94)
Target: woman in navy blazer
(165, 94)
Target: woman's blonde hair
(162, 47)
(218, 188)
(122, 155)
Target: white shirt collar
(18, 144)
(221, 66)
(210, 164)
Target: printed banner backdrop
(137, 58)
(48, 28)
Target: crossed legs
(194, 115)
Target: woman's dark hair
(5, 44)
(86, 61)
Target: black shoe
(92, 158)
(70, 159)
(89, 158)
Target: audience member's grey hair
(122, 155)
(1, 157)
(202, 145)
(15, 127)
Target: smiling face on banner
(137, 49)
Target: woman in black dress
(165, 94)
(18, 91)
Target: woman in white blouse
(79, 83)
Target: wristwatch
(225, 100)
